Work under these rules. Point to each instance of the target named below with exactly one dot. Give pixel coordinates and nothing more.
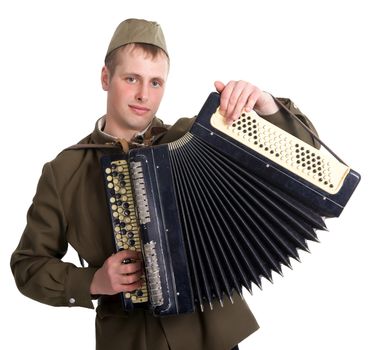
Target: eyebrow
(136, 75)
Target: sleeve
(36, 263)
(286, 122)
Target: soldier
(70, 207)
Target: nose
(142, 94)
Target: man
(70, 207)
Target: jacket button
(72, 301)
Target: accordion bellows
(223, 207)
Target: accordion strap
(120, 144)
(315, 137)
(92, 146)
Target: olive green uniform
(70, 207)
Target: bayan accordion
(220, 208)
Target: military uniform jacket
(70, 207)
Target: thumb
(219, 86)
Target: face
(136, 88)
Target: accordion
(220, 208)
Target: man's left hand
(242, 95)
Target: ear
(105, 78)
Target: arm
(36, 263)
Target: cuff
(78, 287)
(277, 115)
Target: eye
(156, 83)
(131, 80)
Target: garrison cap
(137, 31)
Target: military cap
(137, 31)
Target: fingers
(128, 263)
(125, 271)
(115, 276)
(129, 275)
(235, 96)
(126, 255)
(130, 282)
(130, 268)
(219, 86)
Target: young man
(70, 207)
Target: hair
(113, 59)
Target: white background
(315, 52)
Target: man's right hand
(116, 275)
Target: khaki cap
(137, 31)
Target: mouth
(140, 110)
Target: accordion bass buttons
(126, 230)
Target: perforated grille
(317, 167)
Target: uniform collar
(148, 135)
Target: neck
(114, 129)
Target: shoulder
(178, 129)
(71, 161)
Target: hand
(115, 276)
(239, 95)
